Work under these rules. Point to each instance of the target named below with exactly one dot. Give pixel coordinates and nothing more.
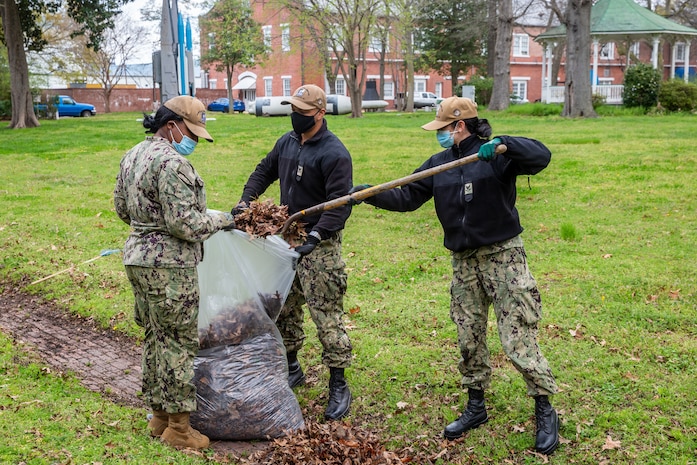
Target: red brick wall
(128, 99)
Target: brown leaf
(611, 444)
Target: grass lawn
(610, 232)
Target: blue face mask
(445, 138)
(187, 144)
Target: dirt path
(103, 360)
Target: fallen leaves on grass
(611, 444)
(331, 443)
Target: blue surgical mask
(187, 144)
(445, 138)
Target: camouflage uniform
(321, 283)
(161, 196)
(498, 274)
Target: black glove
(355, 189)
(308, 246)
(239, 208)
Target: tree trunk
(501, 94)
(22, 106)
(577, 93)
(491, 37)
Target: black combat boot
(473, 416)
(339, 395)
(296, 377)
(547, 438)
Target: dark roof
(624, 19)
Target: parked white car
(425, 99)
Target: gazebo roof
(622, 19)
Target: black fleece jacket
(317, 171)
(475, 203)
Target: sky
(152, 42)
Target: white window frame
(521, 45)
(286, 86)
(266, 30)
(340, 86)
(388, 90)
(606, 81)
(285, 37)
(635, 48)
(519, 88)
(211, 40)
(680, 51)
(607, 51)
(439, 90)
(419, 85)
(212, 83)
(268, 86)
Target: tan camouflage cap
(308, 97)
(194, 113)
(450, 110)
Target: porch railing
(612, 93)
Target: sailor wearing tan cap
(312, 167)
(475, 204)
(160, 195)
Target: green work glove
(488, 150)
(355, 189)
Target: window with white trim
(680, 51)
(439, 89)
(340, 86)
(521, 45)
(419, 85)
(607, 51)
(635, 48)
(266, 30)
(268, 87)
(212, 83)
(211, 40)
(388, 90)
(520, 90)
(285, 37)
(286, 86)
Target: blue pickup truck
(65, 106)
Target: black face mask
(302, 123)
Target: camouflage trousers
(320, 282)
(166, 306)
(498, 274)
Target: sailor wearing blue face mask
(161, 196)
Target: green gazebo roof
(622, 19)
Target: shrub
(641, 83)
(677, 95)
(483, 86)
(598, 100)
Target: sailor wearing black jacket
(475, 204)
(312, 167)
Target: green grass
(610, 228)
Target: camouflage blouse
(161, 196)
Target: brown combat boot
(180, 434)
(158, 423)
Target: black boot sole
(550, 450)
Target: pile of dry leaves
(265, 218)
(330, 443)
